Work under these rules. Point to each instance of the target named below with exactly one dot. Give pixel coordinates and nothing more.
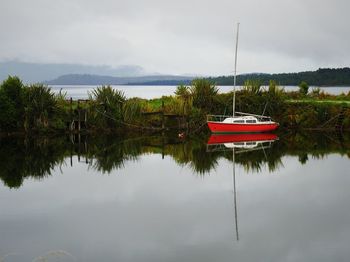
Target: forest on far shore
(320, 77)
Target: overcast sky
(178, 37)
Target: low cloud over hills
(36, 72)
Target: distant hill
(39, 72)
(86, 79)
(321, 77)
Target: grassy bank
(36, 108)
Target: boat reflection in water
(239, 143)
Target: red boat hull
(219, 127)
(233, 138)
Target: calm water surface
(163, 199)
(148, 92)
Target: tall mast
(234, 192)
(235, 74)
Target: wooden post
(163, 145)
(86, 150)
(163, 125)
(85, 118)
(79, 144)
(71, 114)
(79, 126)
(71, 155)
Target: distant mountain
(36, 72)
(87, 79)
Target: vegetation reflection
(22, 158)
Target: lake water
(147, 92)
(157, 198)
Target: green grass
(65, 105)
(156, 103)
(316, 101)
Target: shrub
(303, 88)
(8, 114)
(252, 86)
(40, 104)
(132, 110)
(61, 97)
(109, 105)
(203, 93)
(223, 104)
(183, 92)
(11, 103)
(315, 92)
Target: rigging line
(265, 108)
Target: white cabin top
(243, 120)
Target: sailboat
(240, 122)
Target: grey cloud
(178, 36)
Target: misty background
(42, 39)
